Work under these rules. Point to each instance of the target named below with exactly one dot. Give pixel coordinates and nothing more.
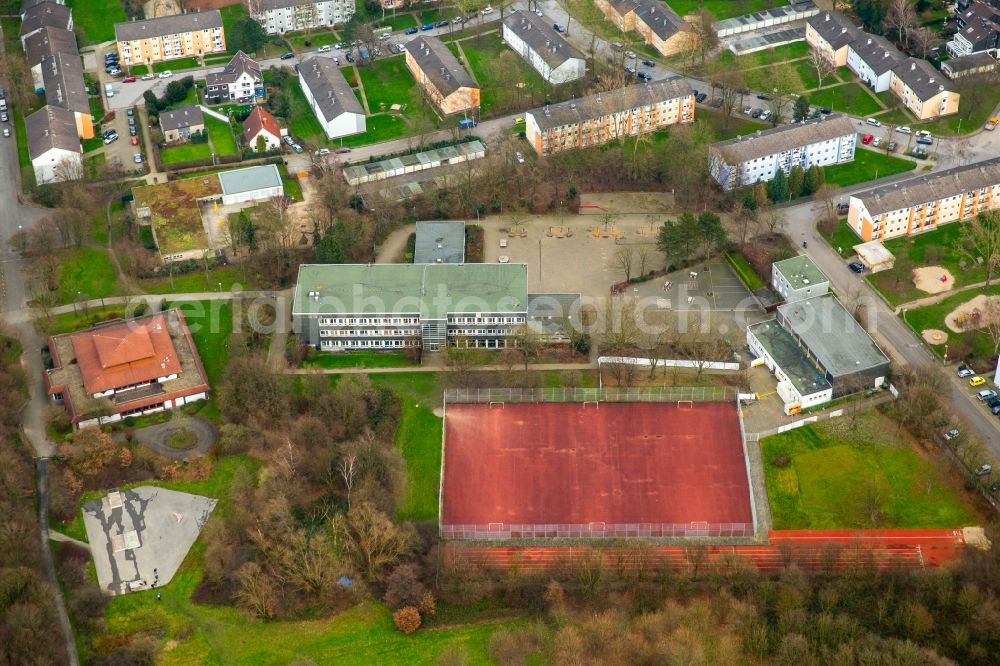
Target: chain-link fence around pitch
(592, 395)
(595, 530)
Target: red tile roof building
(135, 366)
(260, 121)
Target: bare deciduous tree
(900, 19)
(348, 471)
(819, 63)
(372, 540)
(979, 241)
(625, 259)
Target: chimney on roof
(913, 65)
(828, 16)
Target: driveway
(157, 437)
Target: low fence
(595, 530)
(596, 395)
(669, 363)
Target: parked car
(538, 12)
(756, 113)
(4, 118)
(991, 124)
(919, 153)
(984, 469)
(867, 139)
(6, 131)
(147, 77)
(630, 69)
(466, 123)
(925, 140)
(877, 142)
(410, 31)
(166, 74)
(443, 23)
(617, 46)
(951, 434)
(892, 146)
(111, 138)
(856, 266)
(649, 63)
(873, 122)
(986, 394)
(923, 133)
(487, 10)
(288, 139)
(904, 129)
(134, 140)
(297, 148)
(965, 371)
(558, 27)
(322, 151)
(644, 76)
(427, 26)
(457, 20)
(993, 401)
(700, 97)
(349, 57)
(128, 79)
(825, 110)
(131, 122)
(842, 208)
(976, 381)
(630, 55)
(326, 48)
(341, 151)
(764, 96)
(340, 45)
(287, 55)
(137, 158)
(747, 110)
(132, 131)
(765, 114)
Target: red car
(868, 138)
(128, 79)
(341, 151)
(135, 141)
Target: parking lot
(122, 149)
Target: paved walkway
(937, 298)
(59, 536)
(436, 368)
(157, 437)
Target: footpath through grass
(974, 344)
(858, 471)
(89, 271)
(221, 135)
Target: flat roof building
(767, 18)
(800, 384)
(798, 278)
(440, 242)
(535, 40)
(131, 367)
(368, 172)
(331, 98)
(745, 160)
(439, 72)
(602, 117)
(874, 256)
(253, 183)
(397, 306)
(926, 202)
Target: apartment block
(655, 22)
(46, 43)
(240, 80)
(170, 37)
(873, 58)
(331, 98)
(64, 87)
(746, 160)
(535, 40)
(54, 145)
(40, 15)
(603, 117)
(923, 90)
(397, 306)
(279, 16)
(978, 29)
(831, 33)
(441, 75)
(922, 204)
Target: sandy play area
(953, 320)
(929, 279)
(934, 336)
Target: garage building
(254, 183)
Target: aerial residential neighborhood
(512, 332)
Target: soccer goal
(592, 403)
(496, 404)
(685, 403)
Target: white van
(109, 91)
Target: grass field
(360, 359)
(839, 235)
(88, 270)
(842, 471)
(177, 64)
(507, 80)
(766, 57)
(211, 324)
(230, 15)
(398, 22)
(301, 42)
(78, 319)
(184, 152)
(221, 135)
(937, 248)
(94, 20)
(301, 121)
(867, 165)
(387, 82)
(381, 127)
(197, 281)
(977, 343)
(744, 271)
(723, 9)
(850, 98)
(419, 439)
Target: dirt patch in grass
(182, 439)
(966, 317)
(933, 279)
(934, 336)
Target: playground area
(968, 316)
(933, 279)
(555, 469)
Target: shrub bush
(407, 619)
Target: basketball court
(594, 469)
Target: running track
(813, 551)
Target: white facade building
(331, 98)
(798, 278)
(256, 183)
(746, 160)
(536, 41)
(278, 16)
(54, 145)
(873, 58)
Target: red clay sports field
(583, 469)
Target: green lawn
(176, 64)
(301, 42)
(23, 157)
(381, 127)
(231, 14)
(867, 165)
(419, 439)
(292, 187)
(807, 74)
(96, 108)
(184, 152)
(723, 9)
(849, 98)
(11, 26)
(508, 82)
(839, 235)
(88, 270)
(221, 135)
(94, 20)
(301, 121)
(977, 343)
(841, 469)
(79, 318)
(398, 22)
(744, 270)
(967, 120)
(93, 144)
(766, 57)
(211, 324)
(387, 82)
(936, 248)
(197, 282)
(138, 70)
(359, 359)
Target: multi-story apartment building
(170, 37)
(239, 80)
(873, 58)
(924, 203)
(278, 16)
(45, 43)
(831, 33)
(535, 40)
(441, 75)
(603, 117)
(126, 368)
(656, 22)
(331, 97)
(978, 29)
(63, 84)
(970, 65)
(398, 306)
(41, 15)
(877, 62)
(923, 90)
(746, 160)
(54, 145)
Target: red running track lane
(812, 551)
(544, 463)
